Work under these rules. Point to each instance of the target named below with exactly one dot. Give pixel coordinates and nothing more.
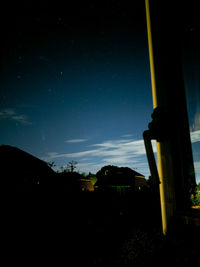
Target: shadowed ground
(93, 229)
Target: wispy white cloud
(121, 152)
(196, 121)
(11, 114)
(75, 140)
(195, 136)
(121, 148)
(120, 160)
(53, 155)
(197, 171)
(127, 135)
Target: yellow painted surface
(151, 56)
(163, 149)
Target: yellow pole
(151, 56)
(155, 104)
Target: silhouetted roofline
(12, 153)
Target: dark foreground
(93, 229)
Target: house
(119, 179)
(86, 184)
(140, 182)
(20, 169)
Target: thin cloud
(108, 148)
(124, 147)
(197, 170)
(112, 143)
(11, 114)
(120, 152)
(195, 136)
(82, 154)
(127, 135)
(71, 141)
(113, 150)
(119, 160)
(196, 123)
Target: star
(59, 20)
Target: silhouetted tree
(71, 166)
(51, 164)
(195, 198)
(84, 174)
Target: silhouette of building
(20, 169)
(140, 182)
(86, 184)
(119, 179)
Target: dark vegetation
(62, 223)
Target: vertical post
(164, 164)
(174, 152)
(151, 55)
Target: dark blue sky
(75, 84)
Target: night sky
(75, 83)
